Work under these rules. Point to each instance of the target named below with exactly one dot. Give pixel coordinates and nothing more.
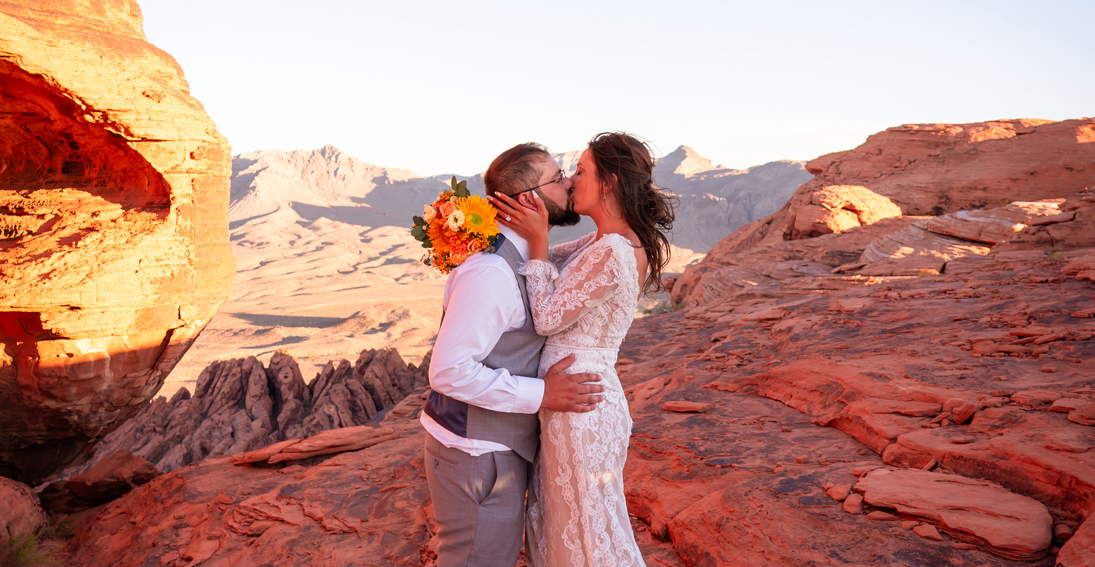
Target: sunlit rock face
(114, 246)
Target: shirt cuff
(530, 394)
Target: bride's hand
(528, 221)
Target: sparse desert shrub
(27, 551)
(665, 306)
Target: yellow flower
(479, 216)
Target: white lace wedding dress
(584, 301)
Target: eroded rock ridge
(113, 226)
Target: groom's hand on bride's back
(570, 392)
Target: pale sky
(443, 86)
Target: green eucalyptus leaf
(453, 182)
(427, 244)
(419, 221)
(417, 232)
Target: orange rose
(447, 208)
(475, 246)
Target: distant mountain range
(303, 186)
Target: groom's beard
(562, 216)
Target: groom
(481, 416)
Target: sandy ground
(327, 290)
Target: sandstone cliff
(113, 225)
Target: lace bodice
(586, 295)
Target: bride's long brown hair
(647, 208)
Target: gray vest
(517, 351)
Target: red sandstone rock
(853, 504)
(1037, 454)
(367, 503)
(327, 442)
(1013, 526)
(687, 407)
(1082, 267)
(1084, 415)
(1079, 550)
(1035, 397)
(914, 251)
(1071, 230)
(836, 208)
(1067, 405)
(107, 480)
(839, 492)
(114, 221)
(927, 531)
(925, 170)
(992, 226)
(21, 512)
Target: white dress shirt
(481, 301)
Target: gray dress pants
(479, 503)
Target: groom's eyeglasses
(559, 179)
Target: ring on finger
(508, 218)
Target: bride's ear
(606, 187)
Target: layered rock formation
(240, 405)
(113, 226)
(931, 169)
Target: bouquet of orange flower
(455, 226)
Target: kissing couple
(524, 397)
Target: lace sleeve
(558, 301)
(560, 253)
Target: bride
(583, 296)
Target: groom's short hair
(512, 171)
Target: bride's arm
(560, 253)
(557, 302)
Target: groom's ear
(526, 199)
